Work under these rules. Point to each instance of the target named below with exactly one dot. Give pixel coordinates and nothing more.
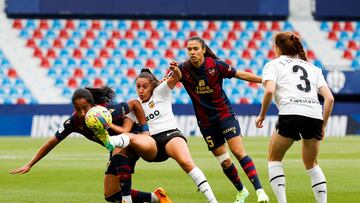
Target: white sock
(200, 180)
(121, 140)
(127, 199)
(318, 183)
(154, 198)
(277, 180)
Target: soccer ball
(98, 118)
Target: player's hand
(259, 121)
(174, 65)
(21, 170)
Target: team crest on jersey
(151, 104)
(201, 83)
(212, 71)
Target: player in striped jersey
(295, 84)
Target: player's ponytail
(290, 44)
(103, 95)
(146, 73)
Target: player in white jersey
(166, 139)
(294, 83)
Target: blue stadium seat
(97, 44)
(186, 26)
(91, 53)
(111, 63)
(50, 34)
(103, 35)
(44, 43)
(24, 33)
(324, 26)
(84, 63)
(56, 25)
(287, 26)
(250, 26)
(136, 44)
(85, 82)
(30, 24)
(224, 26)
(71, 44)
(122, 25)
(160, 25)
(199, 26)
(108, 25)
(83, 25)
(123, 44)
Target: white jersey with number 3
(158, 110)
(297, 85)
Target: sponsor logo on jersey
(212, 71)
(201, 83)
(151, 104)
(233, 129)
(152, 115)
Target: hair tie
(292, 37)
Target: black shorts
(161, 140)
(297, 127)
(225, 129)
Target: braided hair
(290, 44)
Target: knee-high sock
(318, 183)
(233, 176)
(124, 172)
(140, 197)
(248, 166)
(277, 180)
(200, 180)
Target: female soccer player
(295, 84)
(166, 140)
(83, 100)
(202, 77)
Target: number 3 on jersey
(304, 77)
(209, 141)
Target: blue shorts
(215, 135)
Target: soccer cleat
(262, 196)
(104, 137)
(241, 196)
(161, 195)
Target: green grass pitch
(73, 172)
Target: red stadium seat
(237, 26)
(336, 26)
(228, 61)
(253, 85)
(72, 83)
(246, 54)
(37, 53)
(173, 26)
(45, 63)
(150, 63)
(193, 34)
(95, 25)
(353, 45)
(134, 25)
(262, 26)
(131, 73)
(257, 35)
(58, 43)
(84, 43)
(149, 44)
(154, 34)
(275, 26)
(43, 24)
(64, 34)
(232, 35)
(104, 53)
(348, 55)
(17, 24)
(69, 24)
(21, 100)
(31, 43)
(98, 63)
(252, 44)
(129, 35)
(90, 34)
(206, 35)
(130, 54)
(244, 100)
(77, 54)
(271, 54)
(110, 44)
(348, 27)
(332, 36)
(51, 53)
(310, 54)
(212, 26)
(249, 70)
(147, 25)
(98, 82)
(37, 34)
(115, 34)
(12, 73)
(78, 73)
(169, 54)
(175, 44)
(227, 44)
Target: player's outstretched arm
(268, 96)
(175, 76)
(43, 151)
(250, 77)
(125, 128)
(134, 105)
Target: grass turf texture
(73, 172)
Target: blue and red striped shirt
(204, 86)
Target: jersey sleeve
(162, 91)
(65, 130)
(226, 70)
(119, 109)
(269, 72)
